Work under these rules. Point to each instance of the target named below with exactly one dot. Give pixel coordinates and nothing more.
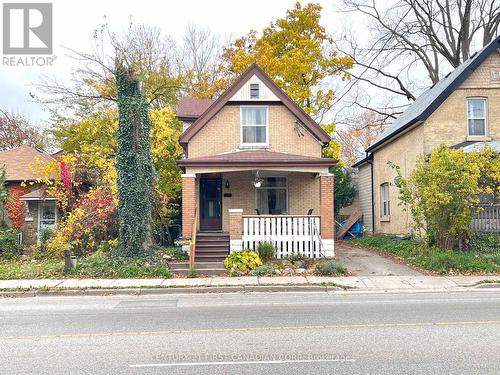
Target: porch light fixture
(258, 181)
(227, 184)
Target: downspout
(372, 193)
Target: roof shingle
(18, 160)
(192, 108)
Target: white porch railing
(487, 219)
(291, 234)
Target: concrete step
(202, 268)
(200, 265)
(209, 258)
(212, 245)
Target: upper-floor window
(254, 130)
(476, 116)
(385, 204)
(254, 91)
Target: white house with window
(461, 111)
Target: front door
(210, 204)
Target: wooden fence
(291, 234)
(487, 219)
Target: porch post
(235, 229)
(188, 204)
(327, 215)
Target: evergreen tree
(134, 165)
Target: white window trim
(385, 216)
(485, 100)
(40, 204)
(274, 188)
(254, 145)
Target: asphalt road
(274, 333)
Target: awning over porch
(256, 159)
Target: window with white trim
(254, 126)
(385, 204)
(254, 91)
(476, 116)
(272, 196)
(47, 214)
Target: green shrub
(9, 248)
(485, 242)
(266, 251)
(330, 269)
(242, 262)
(264, 270)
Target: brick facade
(188, 204)
(223, 131)
(326, 197)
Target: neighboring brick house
(461, 111)
(40, 210)
(253, 172)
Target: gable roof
(431, 99)
(190, 108)
(17, 162)
(217, 105)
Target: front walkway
(363, 262)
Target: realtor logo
(27, 28)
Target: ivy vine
(134, 165)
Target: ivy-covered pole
(134, 165)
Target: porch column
(235, 229)
(188, 204)
(327, 215)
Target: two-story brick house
(461, 111)
(253, 172)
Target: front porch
(286, 204)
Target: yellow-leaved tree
(298, 54)
(443, 190)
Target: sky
(75, 21)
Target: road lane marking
(251, 329)
(188, 364)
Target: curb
(487, 286)
(167, 290)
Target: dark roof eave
(187, 118)
(408, 125)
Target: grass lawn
(436, 260)
(97, 265)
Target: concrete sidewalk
(250, 283)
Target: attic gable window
(254, 91)
(476, 116)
